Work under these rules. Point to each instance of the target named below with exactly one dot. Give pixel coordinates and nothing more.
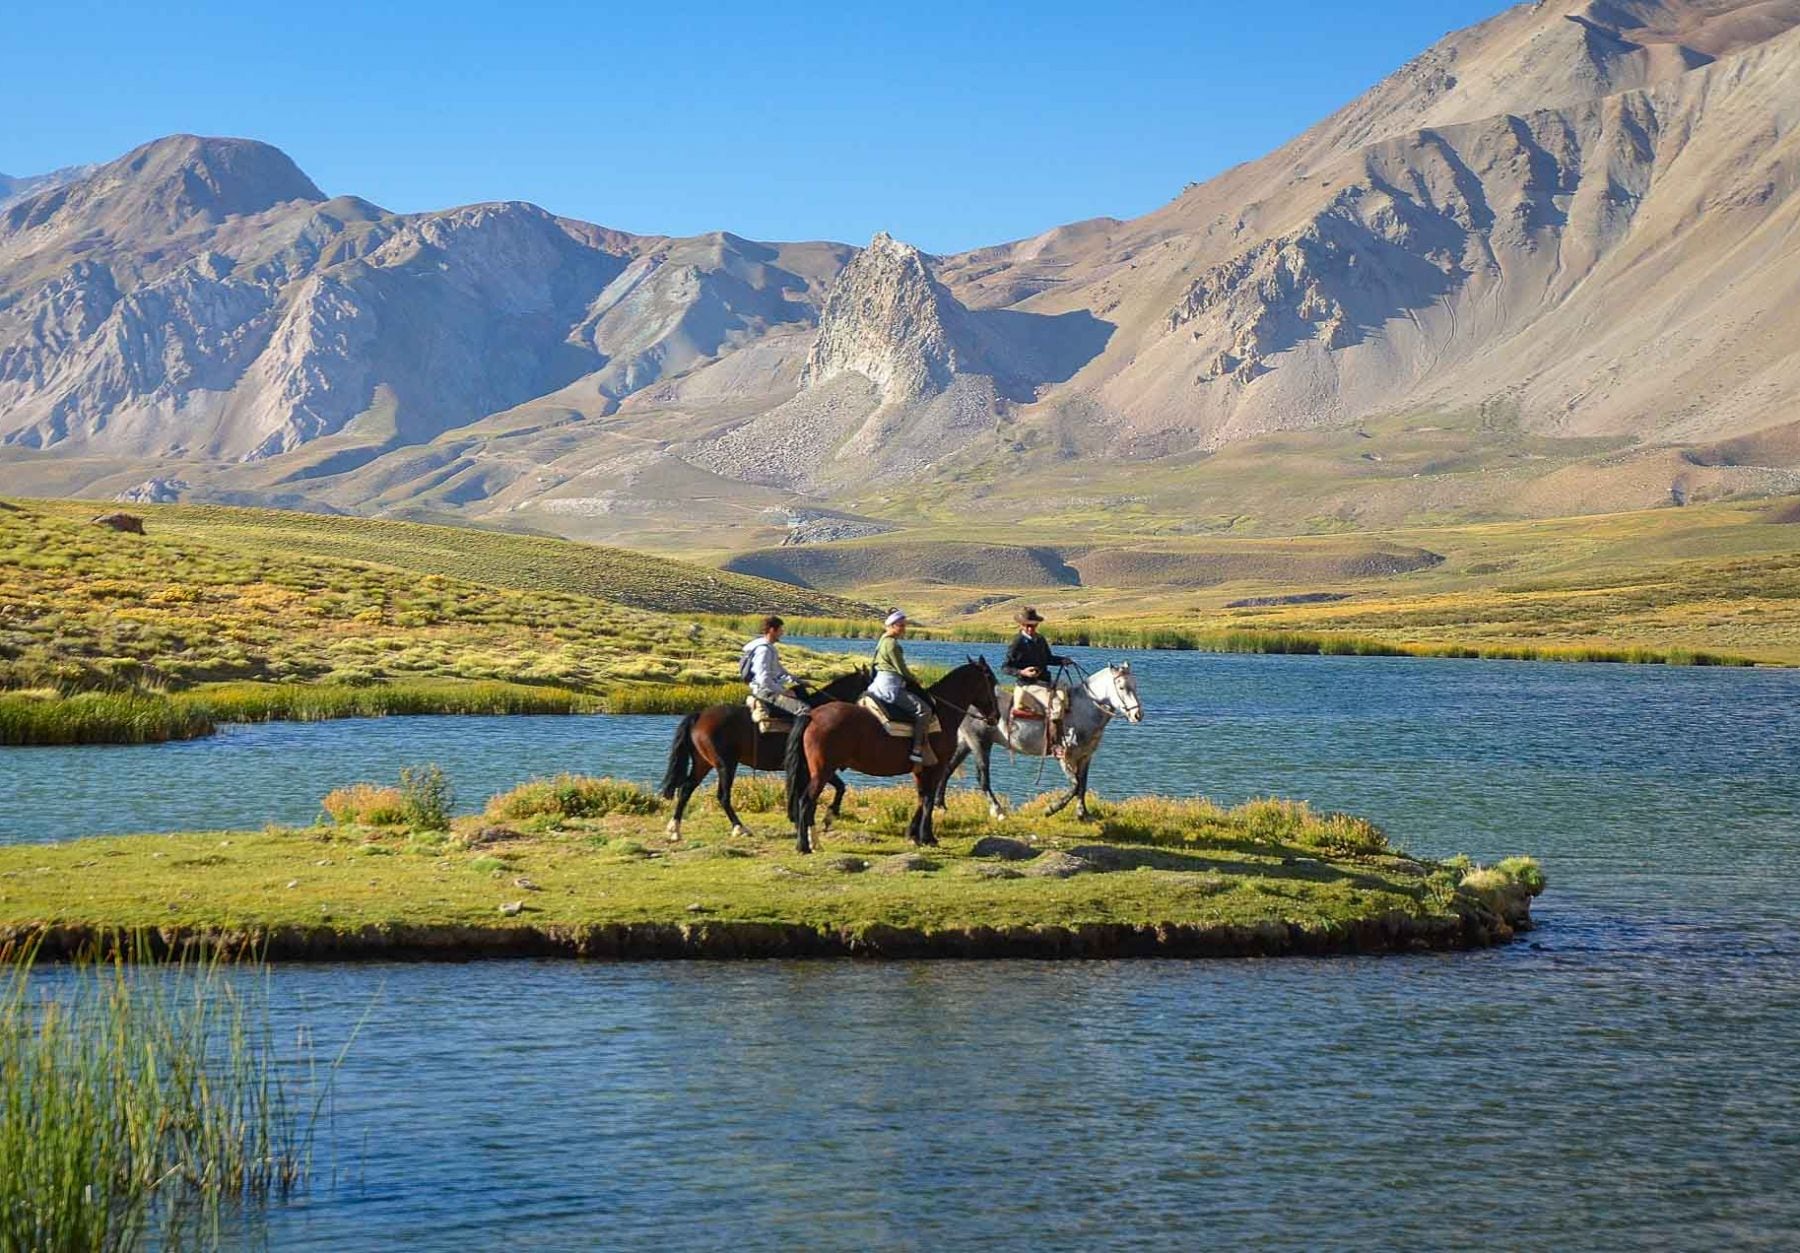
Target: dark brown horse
(724, 737)
(835, 737)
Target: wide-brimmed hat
(1028, 614)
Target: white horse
(1101, 697)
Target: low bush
(426, 793)
(571, 796)
(367, 805)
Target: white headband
(896, 616)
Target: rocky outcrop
(890, 321)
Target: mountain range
(1551, 265)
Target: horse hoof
(741, 831)
(996, 813)
(674, 829)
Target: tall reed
(143, 1105)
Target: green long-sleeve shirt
(889, 656)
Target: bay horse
(837, 737)
(724, 737)
(1093, 703)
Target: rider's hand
(1031, 672)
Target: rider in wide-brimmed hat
(1029, 660)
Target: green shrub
(571, 796)
(427, 796)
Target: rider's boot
(921, 731)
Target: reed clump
(143, 1106)
(148, 716)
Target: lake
(1622, 1078)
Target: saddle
(894, 721)
(767, 719)
(1030, 710)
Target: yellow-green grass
(83, 608)
(565, 859)
(497, 559)
(1714, 582)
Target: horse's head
(848, 687)
(986, 701)
(1119, 691)
(971, 686)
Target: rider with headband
(892, 677)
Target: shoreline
(1393, 934)
(30, 719)
(1229, 641)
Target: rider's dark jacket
(1028, 651)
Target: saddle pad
(765, 719)
(901, 729)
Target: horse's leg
(956, 760)
(984, 771)
(1081, 777)
(1076, 773)
(696, 776)
(920, 830)
(817, 774)
(837, 803)
(1068, 796)
(727, 778)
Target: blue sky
(950, 125)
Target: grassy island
(582, 867)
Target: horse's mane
(854, 682)
(973, 665)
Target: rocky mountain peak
(165, 187)
(888, 319)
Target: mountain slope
(1567, 236)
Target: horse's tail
(794, 764)
(681, 757)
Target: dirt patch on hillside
(1138, 567)
(863, 565)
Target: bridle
(1132, 708)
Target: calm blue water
(1624, 1078)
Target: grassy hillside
(211, 595)
(1720, 580)
(497, 559)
